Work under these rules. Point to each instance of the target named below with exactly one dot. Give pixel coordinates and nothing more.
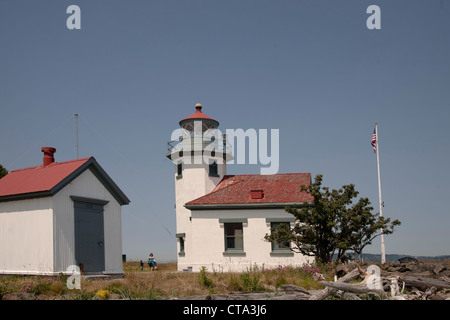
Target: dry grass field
(167, 283)
(164, 283)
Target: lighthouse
(199, 154)
(222, 219)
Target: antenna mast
(76, 133)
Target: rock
(395, 269)
(18, 296)
(403, 297)
(412, 266)
(439, 296)
(291, 288)
(429, 294)
(395, 263)
(349, 296)
(407, 260)
(341, 270)
(438, 268)
(445, 273)
(428, 267)
(318, 277)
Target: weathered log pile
(416, 280)
(410, 280)
(407, 280)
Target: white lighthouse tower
(199, 155)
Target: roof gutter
(226, 206)
(29, 195)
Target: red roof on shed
(254, 188)
(38, 178)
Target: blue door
(89, 237)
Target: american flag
(374, 141)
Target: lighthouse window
(181, 245)
(180, 237)
(213, 172)
(179, 170)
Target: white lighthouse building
(221, 219)
(200, 164)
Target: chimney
(256, 194)
(48, 155)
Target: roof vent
(256, 194)
(48, 155)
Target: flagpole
(383, 250)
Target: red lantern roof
(200, 116)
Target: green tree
(332, 223)
(3, 171)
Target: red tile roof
(283, 188)
(42, 181)
(38, 178)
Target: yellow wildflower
(103, 294)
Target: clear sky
(311, 69)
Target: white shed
(60, 214)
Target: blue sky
(311, 69)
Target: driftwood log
(355, 288)
(424, 282)
(354, 274)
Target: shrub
(251, 282)
(204, 280)
(233, 283)
(84, 295)
(116, 287)
(3, 289)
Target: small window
(285, 245)
(179, 170)
(213, 172)
(234, 236)
(180, 237)
(181, 245)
